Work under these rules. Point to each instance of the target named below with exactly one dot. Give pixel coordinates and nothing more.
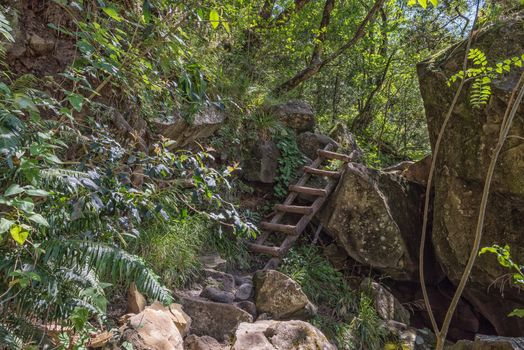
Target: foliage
(504, 258)
(483, 75)
(290, 160)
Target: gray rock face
(486, 342)
(203, 125)
(461, 166)
(308, 143)
(296, 115)
(244, 292)
(215, 294)
(385, 303)
(280, 297)
(281, 335)
(376, 218)
(216, 320)
(263, 165)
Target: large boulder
(376, 218)
(280, 297)
(462, 162)
(202, 125)
(216, 320)
(280, 335)
(296, 115)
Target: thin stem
(430, 181)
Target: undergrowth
(344, 316)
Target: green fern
(483, 75)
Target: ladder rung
(321, 172)
(334, 155)
(308, 190)
(289, 229)
(296, 209)
(264, 249)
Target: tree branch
(315, 67)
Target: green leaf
(226, 26)
(76, 101)
(423, 3)
(36, 192)
(18, 234)
(5, 225)
(214, 18)
(434, 2)
(113, 13)
(517, 313)
(12, 190)
(39, 219)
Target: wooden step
(295, 209)
(308, 190)
(334, 155)
(270, 226)
(264, 249)
(321, 172)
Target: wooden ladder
(292, 232)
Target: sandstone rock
(222, 280)
(248, 307)
(181, 320)
(279, 296)
(296, 115)
(281, 335)
(202, 125)
(376, 218)
(100, 340)
(385, 303)
(135, 300)
(215, 294)
(308, 143)
(487, 342)
(212, 261)
(347, 142)
(419, 171)
(244, 292)
(205, 342)
(214, 319)
(40, 45)
(462, 162)
(262, 166)
(152, 330)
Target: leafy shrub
(291, 159)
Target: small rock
(212, 261)
(41, 45)
(244, 292)
(281, 335)
(309, 143)
(239, 280)
(215, 294)
(181, 320)
(216, 320)
(262, 165)
(136, 302)
(205, 342)
(387, 306)
(280, 296)
(152, 329)
(220, 279)
(489, 342)
(248, 307)
(100, 340)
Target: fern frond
(108, 263)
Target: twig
(430, 180)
